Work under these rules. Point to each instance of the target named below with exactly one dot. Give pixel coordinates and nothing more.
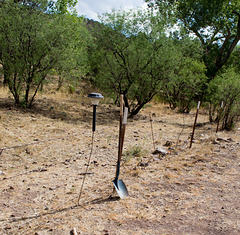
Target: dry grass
(188, 191)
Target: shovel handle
(120, 127)
(122, 140)
(121, 137)
(123, 132)
(120, 149)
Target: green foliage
(184, 87)
(75, 65)
(128, 60)
(215, 23)
(65, 6)
(186, 76)
(33, 40)
(226, 88)
(137, 59)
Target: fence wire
(48, 140)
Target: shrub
(226, 88)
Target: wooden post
(194, 125)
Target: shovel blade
(121, 189)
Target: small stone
(168, 144)
(144, 164)
(223, 140)
(215, 142)
(42, 169)
(160, 151)
(105, 231)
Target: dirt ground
(45, 152)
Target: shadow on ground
(67, 111)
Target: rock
(7, 227)
(204, 137)
(42, 169)
(168, 144)
(225, 140)
(143, 164)
(215, 142)
(2, 173)
(160, 151)
(41, 233)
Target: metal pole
(219, 116)
(150, 115)
(94, 117)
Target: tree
(34, 37)
(75, 66)
(215, 23)
(186, 75)
(128, 60)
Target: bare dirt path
(187, 191)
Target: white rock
(160, 151)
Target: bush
(226, 88)
(184, 86)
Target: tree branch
(235, 41)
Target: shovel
(119, 184)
